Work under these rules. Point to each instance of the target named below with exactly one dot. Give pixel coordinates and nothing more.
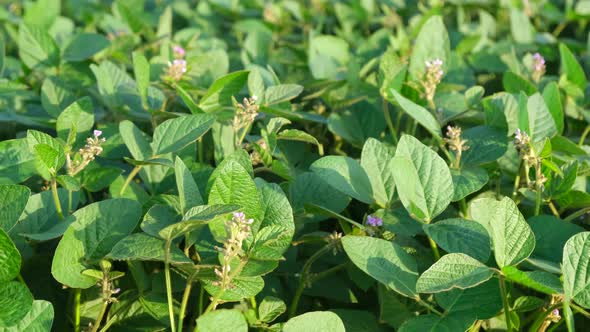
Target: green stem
(580, 310)
(463, 205)
(434, 249)
(70, 203)
(389, 121)
(584, 134)
(516, 181)
(505, 302)
(185, 297)
(428, 306)
(169, 285)
(56, 198)
(242, 136)
(542, 317)
(538, 202)
(303, 278)
(200, 149)
(553, 209)
(215, 300)
(130, 177)
(103, 310)
(77, 296)
(577, 214)
(201, 298)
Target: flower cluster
(245, 114)
(177, 68)
(238, 229)
(522, 142)
(87, 154)
(456, 143)
(432, 78)
(374, 221)
(179, 52)
(538, 67)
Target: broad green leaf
(419, 113)
(486, 144)
(346, 175)
(527, 303)
(537, 121)
(56, 95)
(38, 319)
(84, 46)
(461, 236)
(514, 83)
(196, 217)
(466, 181)
(141, 70)
(357, 123)
(453, 271)
(220, 92)
(76, 120)
(315, 321)
(328, 56)
(310, 188)
(49, 153)
(174, 134)
(97, 178)
(40, 214)
(188, 191)
(552, 98)
(521, 27)
(571, 68)
(484, 301)
(576, 279)
(281, 93)
(540, 281)
(377, 161)
(13, 199)
(36, 48)
(301, 136)
(135, 140)
(222, 320)
(431, 43)
(244, 287)
(142, 247)
(15, 302)
(10, 260)
(512, 238)
(551, 235)
(49, 158)
(17, 162)
(392, 309)
(358, 320)
(271, 308)
(95, 230)
(423, 179)
(385, 261)
(159, 217)
(188, 100)
(459, 321)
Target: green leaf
(512, 238)
(15, 302)
(484, 300)
(527, 303)
(222, 320)
(17, 163)
(244, 287)
(40, 214)
(377, 161)
(142, 247)
(271, 308)
(76, 120)
(419, 113)
(310, 188)
(56, 95)
(431, 43)
(95, 230)
(552, 98)
(540, 281)
(13, 199)
(384, 261)
(461, 236)
(521, 27)
(423, 179)
(328, 56)
(300, 136)
(221, 91)
(50, 158)
(96, 179)
(135, 140)
(358, 320)
(38, 319)
(537, 121)
(459, 321)
(174, 134)
(281, 93)
(571, 68)
(315, 321)
(466, 181)
(486, 144)
(83, 46)
(576, 279)
(346, 175)
(10, 260)
(196, 217)
(188, 191)
(36, 48)
(453, 271)
(514, 83)
(188, 100)
(392, 309)
(551, 235)
(141, 70)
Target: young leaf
(174, 134)
(419, 113)
(36, 48)
(141, 70)
(385, 261)
(221, 91)
(432, 43)
(281, 93)
(76, 120)
(571, 67)
(346, 175)
(271, 308)
(453, 271)
(461, 236)
(423, 179)
(377, 161)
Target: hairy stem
(538, 202)
(505, 302)
(56, 198)
(77, 296)
(584, 134)
(103, 310)
(185, 297)
(169, 285)
(130, 177)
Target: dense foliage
(298, 166)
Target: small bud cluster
(177, 68)
(335, 241)
(238, 229)
(106, 284)
(255, 156)
(87, 154)
(456, 143)
(432, 78)
(246, 112)
(555, 316)
(374, 221)
(538, 67)
(522, 142)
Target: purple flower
(179, 52)
(97, 133)
(374, 221)
(538, 63)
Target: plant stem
(77, 296)
(242, 136)
(463, 205)
(56, 198)
(201, 298)
(577, 214)
(303, 277)
(584, 134)
(185, 297)
(200, 149)
(434, 249)
(103, 310)
(234, 272)
(130, 177)
(553, 209)
(505, 302)
(538, 202)
(389, 121)
(542, 317)
(169, 285)
(428, 306)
